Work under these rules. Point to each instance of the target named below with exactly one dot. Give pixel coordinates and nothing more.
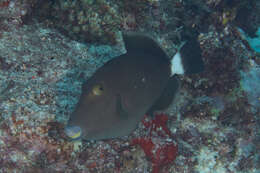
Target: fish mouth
(73, 132)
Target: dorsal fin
(141, 43)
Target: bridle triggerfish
(123, 90)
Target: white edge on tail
(176, 65)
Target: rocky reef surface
(49, 48)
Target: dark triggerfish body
(116, 97)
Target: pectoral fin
(121, 112)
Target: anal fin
(167, 96)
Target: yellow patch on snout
(76, 135)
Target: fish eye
(98, 89)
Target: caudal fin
(188, 59)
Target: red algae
(157, 148)
(4, 4)
(158, 122)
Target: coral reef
(250, 84)
(15, 9)
(157, 142)
(212, 125)
(253, 42)
(93, 21)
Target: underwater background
(48, 48)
